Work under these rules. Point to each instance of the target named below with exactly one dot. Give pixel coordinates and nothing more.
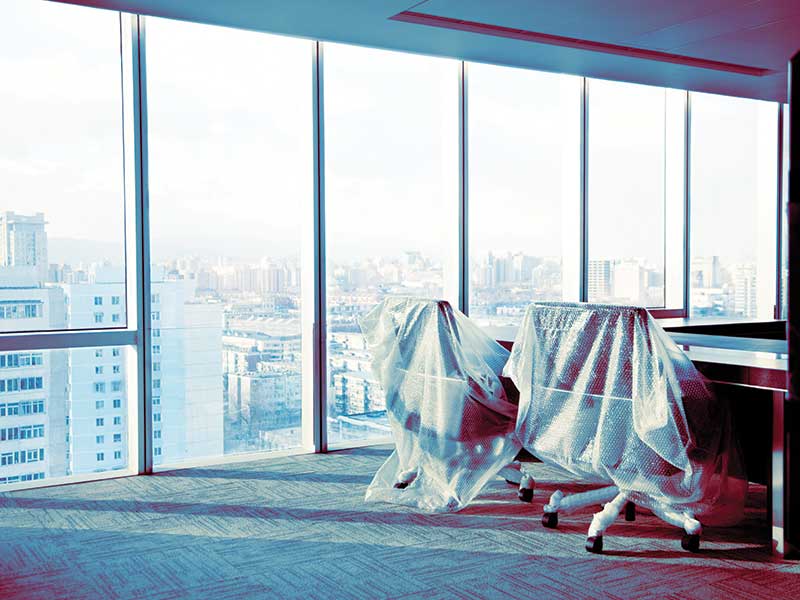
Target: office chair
(451, 419)
(607, 396)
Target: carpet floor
(297, 527)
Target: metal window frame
(11, 342)
(136, 245)
(314, 414)
(779, 260)
(682, 312)
(463, 190)
(665, 312)
(687, 208)
(141, 262)
(583, 252)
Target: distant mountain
(74, 252)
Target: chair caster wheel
(525, 494)
(594, 544)
(401, 485)
(630, 511)
(550, 520)
(690, 542)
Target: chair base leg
(526, 487)
(691, 542)
(692, 528)
(405, 479)
(594, 544)
(550, 520)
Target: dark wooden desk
(756, 364)
(771, 329)
(742, 361)
(726, 342)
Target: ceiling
(736, 47)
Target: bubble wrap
(452, 423)
(606, 395)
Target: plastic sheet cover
(452, 422)
(606, 395)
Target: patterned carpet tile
(297, 527)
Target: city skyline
(287, 267)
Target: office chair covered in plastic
(451, 419)
(607, 396)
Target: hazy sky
(230, 122)
(391, 152)
(61, 150)
(230, 119)
(627, 135)
(734, 174)
(524, 158)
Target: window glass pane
(55, 418)
(61, 166)
(230, 126)
(524, 191)
(635, 163)
(391, 193)
(733, 202)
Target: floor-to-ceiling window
(524, 162)
(228, 155)
(635, 152)
(733, 196)
(64, 397)
(230, 169)
(391, 219)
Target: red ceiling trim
(419, 18)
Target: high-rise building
(629, 282)
(33, 401)
(502, 269)
(186, 374)
(706, 272)
(262, 375)
(33, 384)
(276, 279)
(65, 412)
(599, 279)
(23, 242)
(98, 404)
(745, 301)
(187, 383)
(266, 406)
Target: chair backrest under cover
(451, 419)
(607, 395)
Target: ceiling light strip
(419, 18)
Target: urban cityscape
(503, 285)
(226, 375)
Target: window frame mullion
(139, 266)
